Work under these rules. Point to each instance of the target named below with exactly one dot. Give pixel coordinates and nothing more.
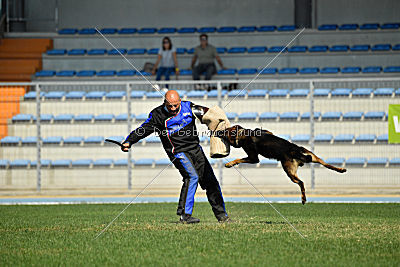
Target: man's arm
(194, 59)
(144, 130)
(219, 61)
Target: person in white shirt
(167, 61)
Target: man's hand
(125, 147)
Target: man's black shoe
(187, 219)
(225, 220)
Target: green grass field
(147, 234)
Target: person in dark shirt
(174, 122)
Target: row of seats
(99, 140)
(244, 71)
(87, 163)
(228, 29)
(138, 94)
(232, 50)
(233, 116)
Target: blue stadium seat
(65, 73)
(109, 31)
(93, 140)
(341, 92)
(147, 30)
(381, 47)
(137, 51)
(331, 115)
(289, 115)
(68, 31)
(374, 115)
(397, 92)
(277, 49)
(344, 138)
(87, 31)
(377, 162)
(214, 93)
(372, 69)
(31, 140)
(31, 95)
(56, 52)
(269, 71)
(288, 71)
(383, 138)
(196, 94)
(306, 115)
(137, 94)
(82, 163)
(97, 52)
(396, 47)
(122, 162)
(257, 49)
(309, 70)
(86, 73)
(115, 95)
(162, 162)
(237, 93)
(298, 49)
(267, 28)
(104, 118)
(268, 163)
(392, 69)
(84, 118)
(127, 31)
(57, 95)
(103, 163)
(52, 140)
(278, 93)
(237, 50)
(362, 92)
(365, 138)
(106, 73)
(187, 30)
(353, 115)
(22, 118)
(269, 116)
(10, 140)
(65, 118)
(301, 138)
(247, 71)
(350, 70)
(126, 73)
(318, 48)
(45, 118)
(394, 162)
(386, 92)
(153, 51)
(335, 161)
(360, 48)
(207, 30)
(339, 48)
(43, 163)
(77, 95)
(231, 115)
(167, 30)
(95, 94)
(248, 116)
(144, 162)
(221, 50)
(286, 28)
(356, 161)
(153, 139)
(247, 29)
(347, 27)
(390, 26)
(369, 26)
(323, 138)
(299, 92)
(258, 93)
(185, 72)
(19, 163)
(77, 52)
(328, 27)
(227, 29)
(118, 51)
(181, 50)
(45, 73)
(142, 116)
(155, 94)
(123, 117)
(73, 140)
(227, 72)
(330, 70)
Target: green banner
(394, 124)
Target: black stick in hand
(117, 143)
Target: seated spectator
(167, 57)
(206, 55)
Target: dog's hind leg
(290, 167)
(316, 159)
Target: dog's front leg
(238, 161)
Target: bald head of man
(172, 102)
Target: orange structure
(9, 105)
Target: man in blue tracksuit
(174, 121)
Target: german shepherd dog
(262, 142)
